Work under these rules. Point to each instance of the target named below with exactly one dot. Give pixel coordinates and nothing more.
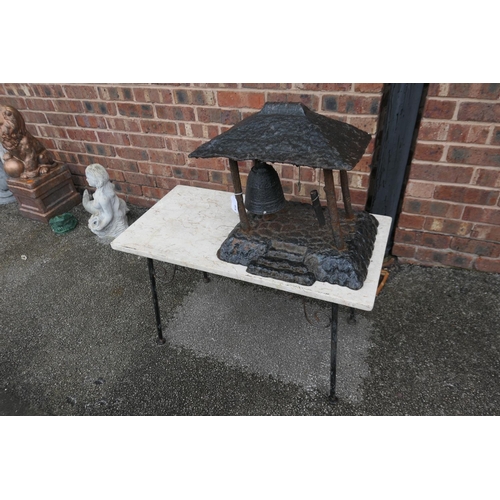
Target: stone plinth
(291, 246)
(46, 196)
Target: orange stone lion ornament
(26, 157)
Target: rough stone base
(291, 246)
(46, 196)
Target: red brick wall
(142, 134)
(451, 210)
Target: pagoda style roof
(290, 133)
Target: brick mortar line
(191, 106)
(453, 184)
(126, 132)
(293, 88)
(473, 222)
(475, 176)
(445, 86)
(490, 135)
(115, 144)
(453, 236)
(118, 131)
(414, 261)
(317, 93)
(178, 105)
(445, 234)
(460, 100)
(223, 89)
(411, 214)
(462, 205)
(449, 164)
(451, 121)
(445, 152)
(461, 144)
(255, 111)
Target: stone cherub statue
(109, 213)
(26, 157)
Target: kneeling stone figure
(109, 213)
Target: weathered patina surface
(290, 133)
(109, 213)
(292, 246)
(26, 157)
(299, 243)
(264, 194)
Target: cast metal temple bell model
(294, 245)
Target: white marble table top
(188, 225)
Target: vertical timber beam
(399, 121)
(238, 192)
(331, 202)
(346, 195)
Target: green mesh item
(64, 223)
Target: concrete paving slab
(272, 333)
(77, 337)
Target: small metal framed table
(188, 226)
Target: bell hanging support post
(346, 195)
(238, 192)
(318, 210)
(331, 202)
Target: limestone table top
(188, 225)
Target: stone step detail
(284, 255)
(283, 269)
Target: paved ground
(77, 337)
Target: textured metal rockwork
(290, 133)
(293, 247)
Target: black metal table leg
(333, 352)
(351, 319)
(161, 339)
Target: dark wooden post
(331, 202)
(399, 121)
(238, 192)
(346, 195)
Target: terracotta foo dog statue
(26, 157)
(109, 213)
